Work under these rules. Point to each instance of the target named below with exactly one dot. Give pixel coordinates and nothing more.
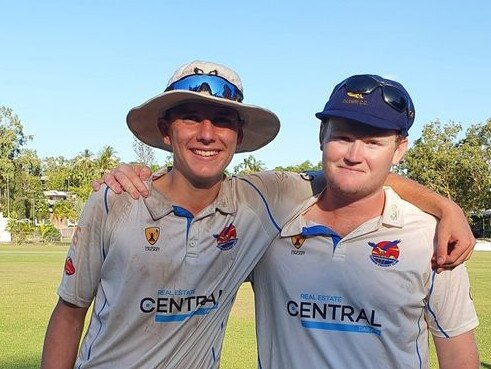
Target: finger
(460, 259)
(128, 183)
(442, 269)
(112, 183)
(459, 254)
(96, 184)
(145, 173)
(134, 185)
(136, 174)
(140, 187)
(134, 193)
(442, 250)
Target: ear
(322, 132)
(240, 135)
(164, 127)
(400, 151)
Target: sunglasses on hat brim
(215, 85)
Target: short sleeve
(82, 269)
(450, 310)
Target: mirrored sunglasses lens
(214, 85)
(361, 84)
(394, 98)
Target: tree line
(454, 163)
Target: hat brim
(362, 118)
(260, 125)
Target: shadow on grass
(485, 365)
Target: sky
(71, 70)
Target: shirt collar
(159, 205)
(392, 214)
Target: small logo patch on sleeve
(69, 268)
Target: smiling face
(204, 138)
(357, 157)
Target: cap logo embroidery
(355, 95)
(152, 234)
(355, 99)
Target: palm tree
(249, 165)
(106, 160)
(82, 169)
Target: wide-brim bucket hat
(223, 87)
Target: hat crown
(205, 67)
(366, 102)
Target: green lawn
(29, 276)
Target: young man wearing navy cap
(348, 283)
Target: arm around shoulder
(63, 336)
(459, 352)
(455, 239)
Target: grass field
(29, 276)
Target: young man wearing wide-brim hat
(162, 272)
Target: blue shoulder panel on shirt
(264, 201)
(106, 194)
(433, 276)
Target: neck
(194, 197)
(344, 214)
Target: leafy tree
(6, 191)
(249, 165)
(48, 233)
(106, 160)
(83, 168)
(26, 185)
(20, 230)
(58, 174)
(306, 166)
(12, 139)
(144, 154)
(458, 168)
(168, 162)
(65, 209)
(12, 136)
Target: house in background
(53, 196)
(5, 235)
(65, 226)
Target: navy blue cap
(372, 100)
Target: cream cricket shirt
(162, 283)
(367, 300)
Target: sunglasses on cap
(211, 83)
(392, 95)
